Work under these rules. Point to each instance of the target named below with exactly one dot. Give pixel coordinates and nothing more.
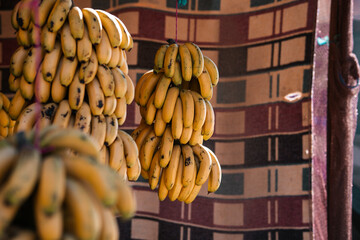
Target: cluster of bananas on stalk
(53, 186)
(73, 61)
(177, 116)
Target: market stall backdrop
(264, 52)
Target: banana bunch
(6, 123)
(53, 183)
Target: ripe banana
(94, 25)
(98, 130)
(14, 14)
(106, 80)
(170, 59)
(104, 155)
(215, 173)
(186, 191)
(189, 165)
(200, 111)
(166, 147)
(4, 118)
(76, 23)
(58, 91)
(150, 110)
(39, 17)
(88, 70)
(206, 87)
(148, 148)
(163, 191)
(14, 83)
(50, 62)
(126, 40)
(23, 14)
(159, 124)
(17, 61)
(26, 88)
(122, 58)
(120, 83)
(159, 58)
(186, 135)
(120, 110)
(154, 171)
(23, 38)
(176, 189)
(83, 118)
(68, 69)
(187, 107)
(48, 226)
(134, 134)
(134, 171)
(109, 105)
(169, 104)
(126, 203)
(161, 90)
(111, 129)
(212, 70)
(144, 174)
(142, 136)
(58, 15)
(116, 157)
(115, 56)
(111, 25)
(193, 194)
(47, 39)
(139, 83)
(209, 124)
(109, 228)
(196, 137)
(96, 97)
(16, 105)
(130, 90)
(84, 47)
(5, 101)
(34, 33)
(42, 88)
(62, 115)
(171, 169)
(196, 57)
(68, 43)
(177, 120)
(103, 49)
(47, 114)
(130, 148)
(205, 163)
(177, 78)
(32, 63)
(186, 62)
(76, 92)
(147, 87)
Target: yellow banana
(186, 191)
(161, 90)
(47, 114)
(104, 155)
(200, 111)
(48, 226)
(163, 191)
(34, 33)
(196, 57)
(120, 83)
(134, 134)
(176, 189)
(205, 164)
(148, 148)
(94, 25)
(42, 88)
(139, 84)
(196, 137)
(5, 101)
(4, 132)
(126, 203)
(16, 105)
(109, 228)
(150, 110)
(166, 147)
(188, 107)
(144, 174)
(98, 130)
(14, 14)
(76, 92)
(171, 169)
(111, 129)
(159, 124)
(24, 14)
(209, 124)
(206, 87)
(177, 120)
(83, 118)
(215, 173)
(186, 62)
(39, 17)
(126, 39)
(106, 80)
(212, 70)
(115, 56)
(142, 136)
(112, 27)
(189, 165)
(88, 70)
(159, 58)
(68, 43)
(154, 171)
(58, 15)
(170, 59)
(76, 23)
(177, 78)
(169, 104)
(134, 171)
(32, 63)
(193, 194)
(122, 58)
(4, 118)
(26, 88)
(62, 115)
(96, 97)
(122, 171)
(68, 69)
(23, 38)
(109, 105)
(14, 83)
(147, 87)
(116, 157)
(47, 39)
(186, 135)
(130, 148)
(84, 47)
(120, 110)
(130, 90)
(51, 62)
(17, 61)
(103, 49)
(58, 91)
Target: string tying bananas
(60, 184)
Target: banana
(215, 173)
(196, 137)
(51, 62)
(17, 61)
(147, 87)
(68, 71)
(176, 189)
(209, 124)
(106, 79)
(42, 88)
(154, 171)
(171, 169)
(84, 47)
(87, 219)
(48, 226)
(200, 111)
(126, 203)
(122, 171)
(134, 134)
(150, 110)
(111, 129)
(32, 63)
(142, 136)
(51, 191)
(27, 117)
(122, 58)
(130, 90)
(58, 91)
(120, 83)
(109, 228)
(186, 135)
(115, 56)
(16, 105)
(26, 88)
(193, 194)
(34, 33)
(159, 58)
(124, 67)
(134, 171)
(148, 148)
(4, 132)
(103, 49)
(4, 118)
(46, 115)
(5, 101)
(47, 39)
(206, 87)
(94, 25)
(76, 92)
(186, 62)
(163, 191)
(62, 114)
(197, 58)
(89, 69)
(23, 38)
(116, 157)
(130, 148)
(189, 165)
(23, 14)
(58, 15)
(205, 163)
(120, 110)
(144, 174)
(170, 59)
(83, 118)
(109, 105)
(126, 39)
(14, 14)
(76, 23)
(177, 78)
(177, 120)
(186, 190)
(111, 25)
(104, 155)
(98, 130)
(41, 12)
(169, 104)
(161, 90)
(139, 83)
(22, 178)
(159, 124)
(188, 107)
(96, 97)
(212, 70)
(68, 43)
(8, 158)
(142, 111)
(14, 83)
(166, 147)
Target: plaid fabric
(264, 52)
